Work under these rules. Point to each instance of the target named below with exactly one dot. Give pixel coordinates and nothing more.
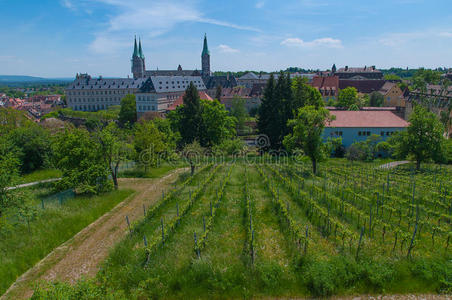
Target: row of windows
(87, 93)
(84, 100)
(172, 82)
(167, 87)
(90, 107)
(367, 133)
(146, 108)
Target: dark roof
(365, 86)
(224, 81)
(88, 83)
(366, 69)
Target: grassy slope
(40, 175)
(20, 248)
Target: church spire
(140, 51)
(205, 49)
(135, 49)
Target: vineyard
(239, 230)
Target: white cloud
(446, 34)
(260, 4)
(155, 17)
(226, 49)
(322, 42)
(68, 4)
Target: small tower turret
(205, 59)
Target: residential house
(357, 126)
(393, 95)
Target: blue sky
(62, 37)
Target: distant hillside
(19, 80)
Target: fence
(58, 198)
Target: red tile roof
(366, 119)
(179, 101)
(327, 85)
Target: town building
(328, 86)
(93, 94)
(158, 93)
(393, 95)
(358, 73)
(357, 126)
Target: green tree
(348, 97)
(80, 159)
(9, 171)
(307, 133)
(189, 115)
(216, 124)
(267, 110)
(304, 94)
(393, 77)
(376, 99)
(275, 110)
(423, 138)
(149, 144)
(114, 149)
(128, 113)
(238, 111)
(33, 143)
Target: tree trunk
(314, 166)
(192, 167)
(114, 175)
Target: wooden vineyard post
(163, 232)
(144, 210)
(414, 233)
(145, 241)
(252, 247)
(196, 245)
(128, 224)
(204, 223)
(359, 243)
(211, 211)
(42, 203)
(306, 240)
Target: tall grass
(21, 246)
(40, 175)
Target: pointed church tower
(138, 66)
(205, 59)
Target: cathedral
(210, 81)
(155, 90)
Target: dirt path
(82, 254)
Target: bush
(229, 147)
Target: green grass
(330, 266)
(21, 246)
(40, 175)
